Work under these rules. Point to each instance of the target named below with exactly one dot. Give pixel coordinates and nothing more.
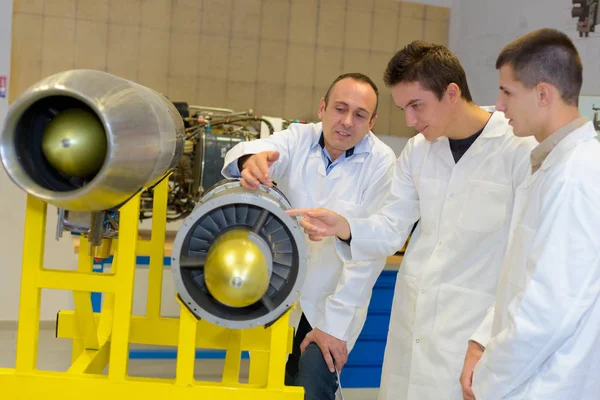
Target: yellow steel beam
(62, 386)
(74, 280)
(165, 332)
(29, 308)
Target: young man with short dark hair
(457, 177)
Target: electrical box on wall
(586, 12)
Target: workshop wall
(274, 56)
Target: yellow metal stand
(102, 339)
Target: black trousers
(309, 369)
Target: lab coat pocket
(459, 312)
(429, 203)
(485, 206)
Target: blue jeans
(309, 370)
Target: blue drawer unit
(363, 369)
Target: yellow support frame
(102, 339)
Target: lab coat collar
(363, 147)
(496, 126)
(581, 134)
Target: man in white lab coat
(457, 177)
(545, 327)
(339, 164)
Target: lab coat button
(451, 194)
(417, 341)
(422, 291)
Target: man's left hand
(330, 346)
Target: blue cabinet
(363, 369)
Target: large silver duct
(144, 139)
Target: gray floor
(55, 354)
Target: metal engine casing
(144, 131)
(227, 206)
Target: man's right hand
(319, 222)
(474, 353)
(255, 169)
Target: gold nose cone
(74, 143)
(236, 270)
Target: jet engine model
(239, 260)
(86, 141)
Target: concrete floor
(55, 354)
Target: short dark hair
(432, 65)
(357, 76)
(545, 55)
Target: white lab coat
(546, 326)
(448, 277)
(335, 295)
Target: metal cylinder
(239, 260)
(144, 139)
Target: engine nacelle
(239, 260)
(86, 140)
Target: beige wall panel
(269, 99)
(377, 64)
(272, 60)
(158, 82)
(182, 88)
(317, 95)
(303, 22)
(155, 14)
(28, 6)
(391, 6)
(409, 29)
(95, 10)
(277, 56)
(91, 44)
(123, 50)
(275, 20)
(154, 52)
(183, 56)
(241, 95)
(385, 26)
(328, 65)
(243, 59)
(217, 16)
(127, 12)
(362, 4)
(246, 19)
(436, 32)
(58, 45)
(331, 24)
(358, 29)
(60, 8)
(26, 61)
(437, 13)
(186, 19)
(298, 103)
(300, 65)
(211, 92)
(356, 61)
(382, 125)
(412, 10)
(213, 57)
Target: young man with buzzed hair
(545, 327)
(457, 177)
